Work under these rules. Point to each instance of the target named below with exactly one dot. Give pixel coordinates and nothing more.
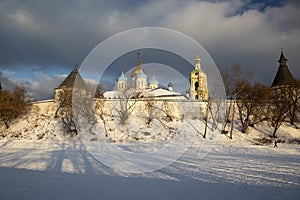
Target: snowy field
(57, 170)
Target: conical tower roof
(283, 75)
(70, 80)
(153, 80)
(122, 77)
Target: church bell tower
(198, 83)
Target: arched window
(196, 85)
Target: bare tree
(206, 117)
(227, 82)
(12, 105)
(83, 107)
(214, 109)
(151, 109)
(252, 103)
(168, 110)
(294, 97)
(234, 81)
(279, 107)
(63, 99)
(100, 106)
(64, 110)
(163, 111)
(99, 91)
(128, 99)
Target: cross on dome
(198, 60)
(138, 59)
(198, 65)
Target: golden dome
(137, 70)
(138, 67)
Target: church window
(196, 85)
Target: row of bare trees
(130, 101)
(251, 102)
(159, 110)
(248, 102)
(256, 102)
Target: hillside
(44, 127)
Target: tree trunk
(6, 125)
(274, 132)
(292, 116)
(205, 130)
(232, 121)
(56, 112)
(227, 117)
(243, 129)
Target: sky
(41, 41)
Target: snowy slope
(38, 161)
(49, 170)
(47, 128)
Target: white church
(139, 82)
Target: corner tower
(69, 83)
(283, 76)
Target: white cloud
(39, 85)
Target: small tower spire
(198, 65)
(138, 60)
(153, 72)
(198, 60)
(170, 86)
(123, 68)
(282, 60)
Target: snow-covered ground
(65, 170)
(37, 161)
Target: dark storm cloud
(44, 36)
(47, 33)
